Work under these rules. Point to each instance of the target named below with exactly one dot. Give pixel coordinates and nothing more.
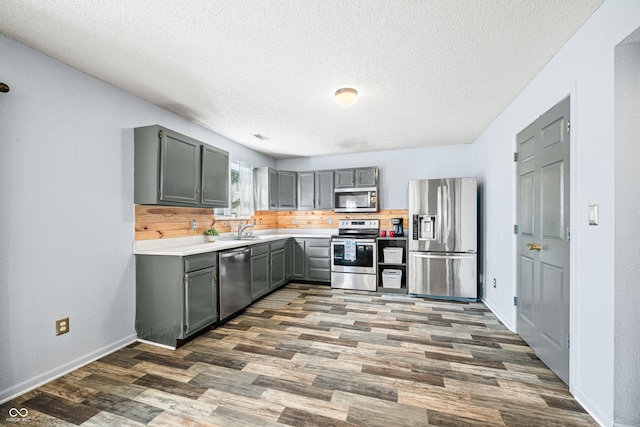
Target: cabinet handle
(204, 191)
(197, 191)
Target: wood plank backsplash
(162, 222)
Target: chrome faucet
(242, 228)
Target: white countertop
(183, 246)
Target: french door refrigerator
(443, 238)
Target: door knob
(534, 246)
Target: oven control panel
(358, 223)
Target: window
(241, 192)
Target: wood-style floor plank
(309, 355)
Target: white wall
(584, 69)
(627, 250)
(396, 168)
(66, 217)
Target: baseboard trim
(39, 380)
(499, 316)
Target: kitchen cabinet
(287, 190)
(392, 242)
(274, 190)
(324, 189)
(260, 277)
(268, 267)
(288, 259)
(358, 177)
(173, 169)
(315, 190)
(175, 296)
(306, 191)
(298, 259)
(215, 177)
(312, 259)
(277, 264)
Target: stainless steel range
(354, 255)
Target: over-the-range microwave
(362, 199)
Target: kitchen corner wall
(162, 222)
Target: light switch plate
(593, 214)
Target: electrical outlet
(330, 220)
(194, 224)
(494, 283)
(293, 221)
(260, 221)
(62, 326)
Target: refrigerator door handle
(438, 232)
(434, 256)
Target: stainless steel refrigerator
(443, 238)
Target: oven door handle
(358, 241)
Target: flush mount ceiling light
(346, 96)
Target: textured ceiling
(431, 72)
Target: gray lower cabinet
(175, 296)
(298, 259)
(173, 169)
(260, 276)
(288, 259)
(268, 267)
(277, 264)
(312, 259)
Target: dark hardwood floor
(311, 356)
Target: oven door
(363, 259)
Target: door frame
(574, 166)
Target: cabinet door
(180, 168)
(306, 190)
(215, 177)
(259, 275)
(287, 190)
(344, 178)
(288, 259)
(324, 189)
(299, 264)
(273, 189)
(201, 304)
(366, 177)
(318, 259)
(277, 268)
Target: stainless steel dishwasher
(235, 281)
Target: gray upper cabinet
(173, 169)
(324, 189)
(287, 191)
(344, 178)
(215, 177)
(274, 190)
(366, 177)
(306, 190)
(315, 190)
(360, 177)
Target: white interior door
(543, 237)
